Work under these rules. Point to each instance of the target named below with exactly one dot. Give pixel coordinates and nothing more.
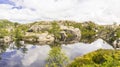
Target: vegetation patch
(99, 58)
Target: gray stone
(116, 43)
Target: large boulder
(70, 34)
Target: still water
(35, 56)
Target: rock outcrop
(41, 38)
(6, 39)
(68, 34)
(45, 38)
(37, 28)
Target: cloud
(99, 11)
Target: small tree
(55, 30)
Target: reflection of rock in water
(3, 47)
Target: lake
(35, 56)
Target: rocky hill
(62, 32)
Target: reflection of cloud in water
(36, 55)
(79, 49)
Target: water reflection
(56, 58)
(17, 45)
(3, 47)
(37, 56)
(21, 45)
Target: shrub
(99, 58)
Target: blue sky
(23, 11)
(10, 3)
(6, 2)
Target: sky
(25, 11)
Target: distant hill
(5, 23)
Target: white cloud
(99, 11)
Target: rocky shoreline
(62, 32)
